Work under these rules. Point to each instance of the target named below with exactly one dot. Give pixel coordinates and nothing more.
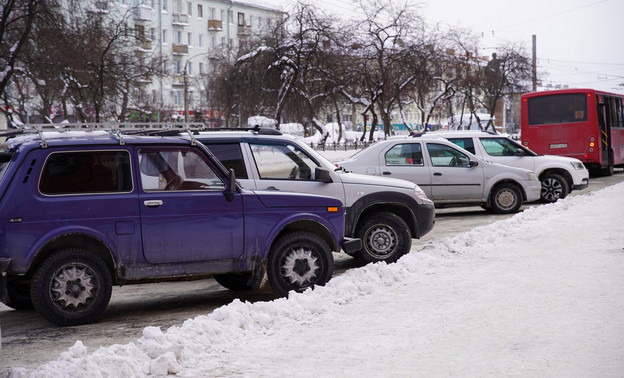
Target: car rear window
(84, 172)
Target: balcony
(143, 13)
(215, 25)
(180, 19)
(145, 45)
(179, 49)
(244, 30)
(178, 80)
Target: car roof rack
(255, 129)
(118, 129)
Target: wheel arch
(558, 171)
(506, 181)
(390, 202)
(310, 226)
(76, 240)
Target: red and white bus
(581, 123)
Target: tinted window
(499, 147)
(405, 154)
(86, 172)
(229, 154)
(465, 143)
(564, 108)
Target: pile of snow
(537, 294)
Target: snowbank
(538, 294)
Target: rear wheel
(385, 237)
(71, 287)
(298, 261)
(554, 187)
(506, 199)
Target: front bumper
(584, 184)
(4, 267)
(351, 245)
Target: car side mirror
(519, 152)
(473, 163)
(322, 175)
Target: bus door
(606, 111)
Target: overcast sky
(580, 43)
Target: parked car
(384, 213)
(448, 174)
(559, 175)
(84, 211)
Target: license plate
(559, 145)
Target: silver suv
(559, 175)
(447, 173)
(385, 213)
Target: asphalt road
(29, 341)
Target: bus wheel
(554, 187)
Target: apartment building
(188, 34)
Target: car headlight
(532, 176)
(419, 193)
(577, 165)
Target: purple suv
(83, 211)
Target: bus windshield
(563, 108)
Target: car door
(185, 215)
(404, 160)
(453, 177)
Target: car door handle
(271, 188)
(437, 174)
(153, 203)
(386, 173)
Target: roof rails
(115, 128)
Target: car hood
(272, 199)
(359, 179)
(560, 159)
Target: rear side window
(405, 154)
(86, 172)
(229, 154)
(465, 143)
(564, 108)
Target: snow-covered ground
(540, 294)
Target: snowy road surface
(537, 294)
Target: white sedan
(448, 174)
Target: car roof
(459, 134)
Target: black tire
(385, 237)
(19, 296)
(71, 287)
(242, 281)
(554, 187)
(298, 261)
(505, 198)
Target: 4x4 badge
(15, 220)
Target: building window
(177, 65)
(201, 41)
(164, 36)
(189, 66)
(231, 17)
(241, 19)
(189, 8)
(177, 36)
(164, 5)
(189, 38)
(212, 13)
(165, 67)
(200, 11)
(201, 68)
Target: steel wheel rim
(300, 267)
(72, 286)
(382, 241)
(506, 199)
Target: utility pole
(534, 63)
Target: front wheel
(298, 261)
(71, 287)
(506, 199)
(554, 187)
(385, 237)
